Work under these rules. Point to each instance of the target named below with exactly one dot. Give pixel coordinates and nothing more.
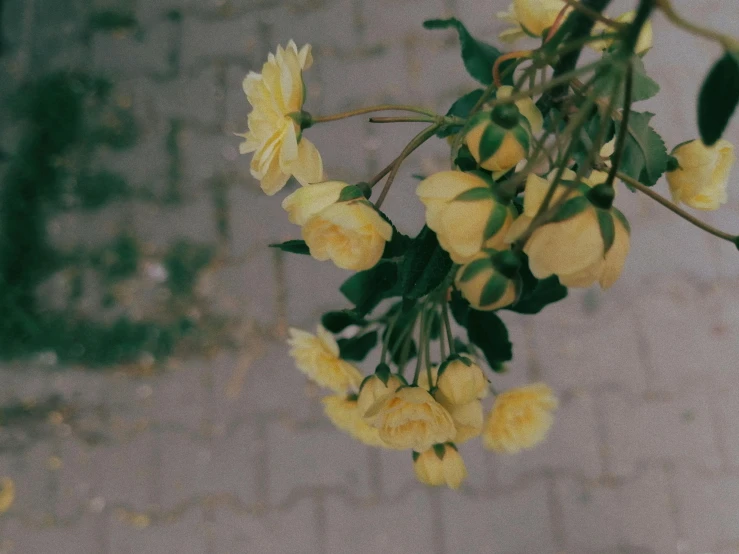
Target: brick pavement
(229, 452)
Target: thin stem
(592, 14)
(728, 42)
(447, 324)
(508, 56)
(676, 209)
(370, 109)
(427, 350)
(442, 344)
(386, 340)
(422, 340)
(401, 119)
(624, 129)
(417, 141)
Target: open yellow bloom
(465, 214)
(308, 201)
(344, 414)
(373, 388)
(468, 418)
(643, 43)
(461, 381)
(530, 17)
(318, 357)
(700, 181)
(275, 138)
(351, 234)
(411, 418)
(7, 494)
(520, 418)
(440, 465)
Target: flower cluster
(525, 211)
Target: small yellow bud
(373, 388)
(317, 356)
(485, 285)
(440, 465)
(700, 181)
(344, 414)
(461, 381)
(536, 16)
(411, 418)
(423, 378)
(498, 145)
(520, 418)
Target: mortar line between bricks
(556, 514)
(321, 522)
(672, 500)
(601, 432)
(644, 352)
(437, 521)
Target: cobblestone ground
(229, 453)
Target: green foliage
(184, 262)
(356, 348)
(461, 108)
(425, 265)
(488, 332)
(118, 261)
(645, 156)
(718, 98)
(292, 246)
(94, 190)
(366, 289)
(337, 321)
(112, 20)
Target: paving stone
(403, 527)
(625, 514)
(508, 522)
(291, 529)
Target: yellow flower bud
(374, 387)
(7, 494)
(440, 465)
(317, 356)
(465, 213)
(643, 43)
(497, 139)
(526, 106)
(275, 138)
(461, 381)
(344, 414)
(700, 181)
(490, 281)
(468, 418)
(520, 418)
(536, 16)
(308, 201)
(411, 418)
(351, 234)
(423, 378)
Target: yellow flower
(351, 234)
(308, 201)
(700, 181)
(583, 245)
(520, 418)
(318, 357)
(377, 386)
(526, 106)
(490, 281)
(7, 494)
(440, 465)
(536, 16)
(423, 378)
(344, 414)
(465, 213)
(275, 138)
(468, 418)
(411, 418)
(498, 139)
(643, 43)
(461, 381)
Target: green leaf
(607, 229)
(643, 86)
(399, 336)
(397, 245)
(461, 108)
(425, 265)
(356, 348)
(645, 155)
(474, 267)
(718, 98)
(478, 56)
(495, 222)
(367, 289)
(350, 192)
(492, 138)
(570, 208)
(472, 195)
(536, 293)
(460, 308)
(293, 246)
(493, 290)
(488, 332)
(337, 321)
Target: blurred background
(147, 402)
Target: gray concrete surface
(229, 453)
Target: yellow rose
(7, 494)
(318, 357)
(465, 213)
(275, 138)
(461, 381)
(351, 234)
(468, 418)
(643, 43)
(308, 201)
(411, 418)
(520, 418)
(377, 386)
(583, 245)
(497, 139)
(700, 181)
(536, 16)
(423, 378)
(440, 465)
(344, 414)
(490, 281)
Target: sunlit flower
(344, 414)
(440, 465)
(520, 418)
(411, 418)
(279, 148)
(700, 181)
(318, 357)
